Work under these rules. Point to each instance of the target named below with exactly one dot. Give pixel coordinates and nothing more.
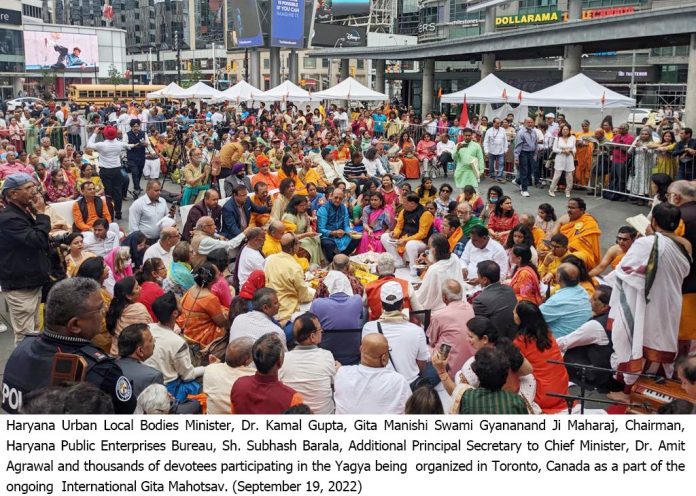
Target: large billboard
(287, 23)
(326, 9)
(331, 35)
(245, 24)
(57, 51)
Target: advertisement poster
(60, 51)
(243, 18)
(287, 23)
(331, 35)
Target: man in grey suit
(135, 345)
(496, 301)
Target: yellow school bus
(106, 93)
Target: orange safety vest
(374, 302)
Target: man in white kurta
(445, 266)
(646, 299)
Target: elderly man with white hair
(386, 268)
(204, 240)
(448, 326)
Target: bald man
(683, 195)
(341, 263)
(218, 378)
(271, 244)
(371, 387)
(570, 306)
(169, 237)
(284, 274)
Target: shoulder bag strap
(379, 329)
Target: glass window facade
(209, 23)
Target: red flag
(464, 117)
(603, 99)
(107, 12)
(439, 92)
(519, 96)
(504, 95)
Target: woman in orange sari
(203, 318)
(538, 346)
(525, 278)
(583, 154)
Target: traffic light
(228, 67)
(352, 71)
(234, 66)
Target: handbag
(419, 381)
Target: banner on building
(66, 52)
(287, 23)
(244, 24)
(331, 35)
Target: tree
(195, 75)
(48, 81)
(115, 77)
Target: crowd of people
(308, 274)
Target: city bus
(107, 93)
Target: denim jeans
(525, 167)
(496, 166)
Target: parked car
(26, 101)
(641, 115)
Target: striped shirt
(351, 169)
(482, 401)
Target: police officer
(73, 317)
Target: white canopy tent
(172, 90)
(241, 92)
(287, 92)
(490, 89)
(579, 92)
(350, 89)
(200, 91)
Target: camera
(59, 239)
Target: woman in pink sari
(120, 263)
(376, 219)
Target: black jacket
(497, 302)
(230, 216)
(30, 364)
(23, 249)
(197, 211)
(136, 154)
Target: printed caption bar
(84, 455)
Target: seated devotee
(409, 352)
(135, 346)
(262, 393)
(236, 213)
(333, 223)
(209, 207)
(164, 248)
(582, 231)
(285, 275)
(482, 248)
(124, 310)
(442, 265)
(448, 326)
(204, 241)
(218, 378)
(538, 346)
(259, 320)
(171, 355)
(414, 225)
(308, 369)
(297, 221)
(371, 386)
(88, 208)
(451, 228)
(341, 263)
(624, 239)
(250, 258)
(590, 344)
(203, 319)
(264, 174)
(549, 265)
(646, 299)
(538, 233)
(385, 270)
(496, 301)
(524, 279)
(261, 198)
(569, 307)
(492, 367)
(588, 283)
(100, 240)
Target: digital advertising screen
(11, 42)
(57, 51)
(349, 7)
(287, 23)
(331, 35)
(243, 16)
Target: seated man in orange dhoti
(582, 231)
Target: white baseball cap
(391, 292)
(551, 114)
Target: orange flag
(439, 92)
(464, 117)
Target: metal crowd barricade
(622, 171)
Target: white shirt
(98, 246)
(216, 118)
(310, 371)
(145, 215)
(444, 147)
(407, 344)
(171, 355)
(156, 251)
(591, 332)
(361, 389)
(123, 123)
(249, 261)
(493, 251)
(218, 380)
(429, 295)
(374, 167)
(495, 142)
(109, 151)
(254, 324)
